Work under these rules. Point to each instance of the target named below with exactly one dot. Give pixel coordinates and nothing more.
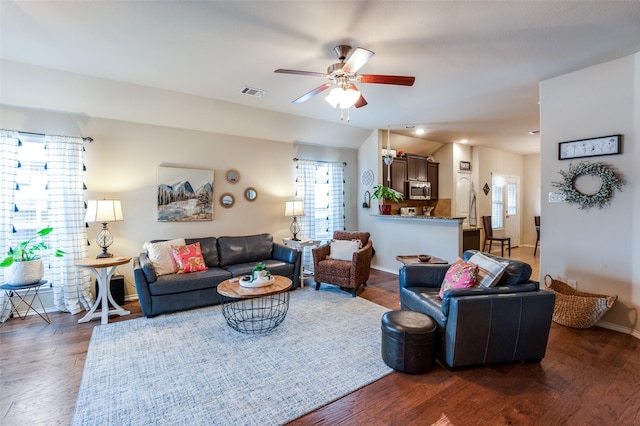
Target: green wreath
(611, 181)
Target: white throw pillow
(344, 249)
(161, 255)
(489, 270)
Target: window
(497, 201)
(30, 214)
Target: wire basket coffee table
(255, 310)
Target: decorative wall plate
(366, 178)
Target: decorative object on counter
(382, 193)
(104, 211)
(232, 176)
(185, 195)
(401, 154)
(250, 194)
(25, 265)
(294, 208)
(611, 181)
(604, 145)
(465, 166)
(486, 189)
(367, 200)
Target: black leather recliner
(508, 322)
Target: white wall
(123, 161)
(530, 198)
(598, 248)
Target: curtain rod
(344, 163)
(85, 139)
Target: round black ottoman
(407, 341)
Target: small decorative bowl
(424, 258)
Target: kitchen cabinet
(416, 167)
(432, 176)
(398, 175)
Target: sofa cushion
(515, 273)
(250, 248)
(180, 283)
(209, 248)
(489, 270)
(275, 267)
(189, 258)
(161, 256)
(460, 274)
(425, 300)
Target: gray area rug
(191, 368)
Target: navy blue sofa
(226, 257)
(508, 322)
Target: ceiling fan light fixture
(339, 97)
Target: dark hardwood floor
(588, 377)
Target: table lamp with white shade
(294, 208)
(104, 211)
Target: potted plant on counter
(382, 193)
(24, 260)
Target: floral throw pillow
(461, 274)
(189, 258)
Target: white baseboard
(621, 329)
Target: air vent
(250, 91)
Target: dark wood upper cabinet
(416, 167)
(432, 176)
(398, 175)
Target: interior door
(512, 209)
(463, 186)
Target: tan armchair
(346, 274)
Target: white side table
(300, 244)
(103, 269)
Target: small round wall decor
(611, 181)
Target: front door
(512, 209)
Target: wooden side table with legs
(103, 269)
(300, 245)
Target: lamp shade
(294, 208)
(103, 211)
(344, 98)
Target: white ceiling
(477, 63)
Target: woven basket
(575, 308)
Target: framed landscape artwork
(184, 195)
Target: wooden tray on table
(423, 259)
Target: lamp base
(104, 255)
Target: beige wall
(598, 248)
(530, 198)
(123, 161)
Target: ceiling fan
(343, 75)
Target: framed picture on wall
(604, 145)
(184, 195)
(465, 166)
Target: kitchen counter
(420, 218)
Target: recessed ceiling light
(419, 131)
(534, 132)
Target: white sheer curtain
(323, 197)
(71, 285)
(335, 214)
(8, 165)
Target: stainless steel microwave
(418, 190)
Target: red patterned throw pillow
(461, 274)
(189, 258)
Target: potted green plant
(382, 193)
(24, 260)
(260, 272)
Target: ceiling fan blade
(309, 73)
(360, 102)
(312, 93)
(359, 57)
(399, 80)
